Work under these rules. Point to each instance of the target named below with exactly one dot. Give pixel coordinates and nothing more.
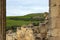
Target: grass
(14, 22)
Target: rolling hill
(15, 21)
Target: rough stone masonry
(54, 20)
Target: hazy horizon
(24, 7)
(26, 14)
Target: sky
(23, 7)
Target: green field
(15, 21)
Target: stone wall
(55, 19)
(10, 35)
(32, 33)
(25, 34)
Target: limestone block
(25, 34)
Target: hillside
(15, 21)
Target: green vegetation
(17, 21)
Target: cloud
(23, 7)
(22, 11)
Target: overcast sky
(23, 7)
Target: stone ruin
(25, 33)
(49, 30)
(31, 32)
(10, 35)
(53, 30)
(54, 20)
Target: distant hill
(15, 21)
